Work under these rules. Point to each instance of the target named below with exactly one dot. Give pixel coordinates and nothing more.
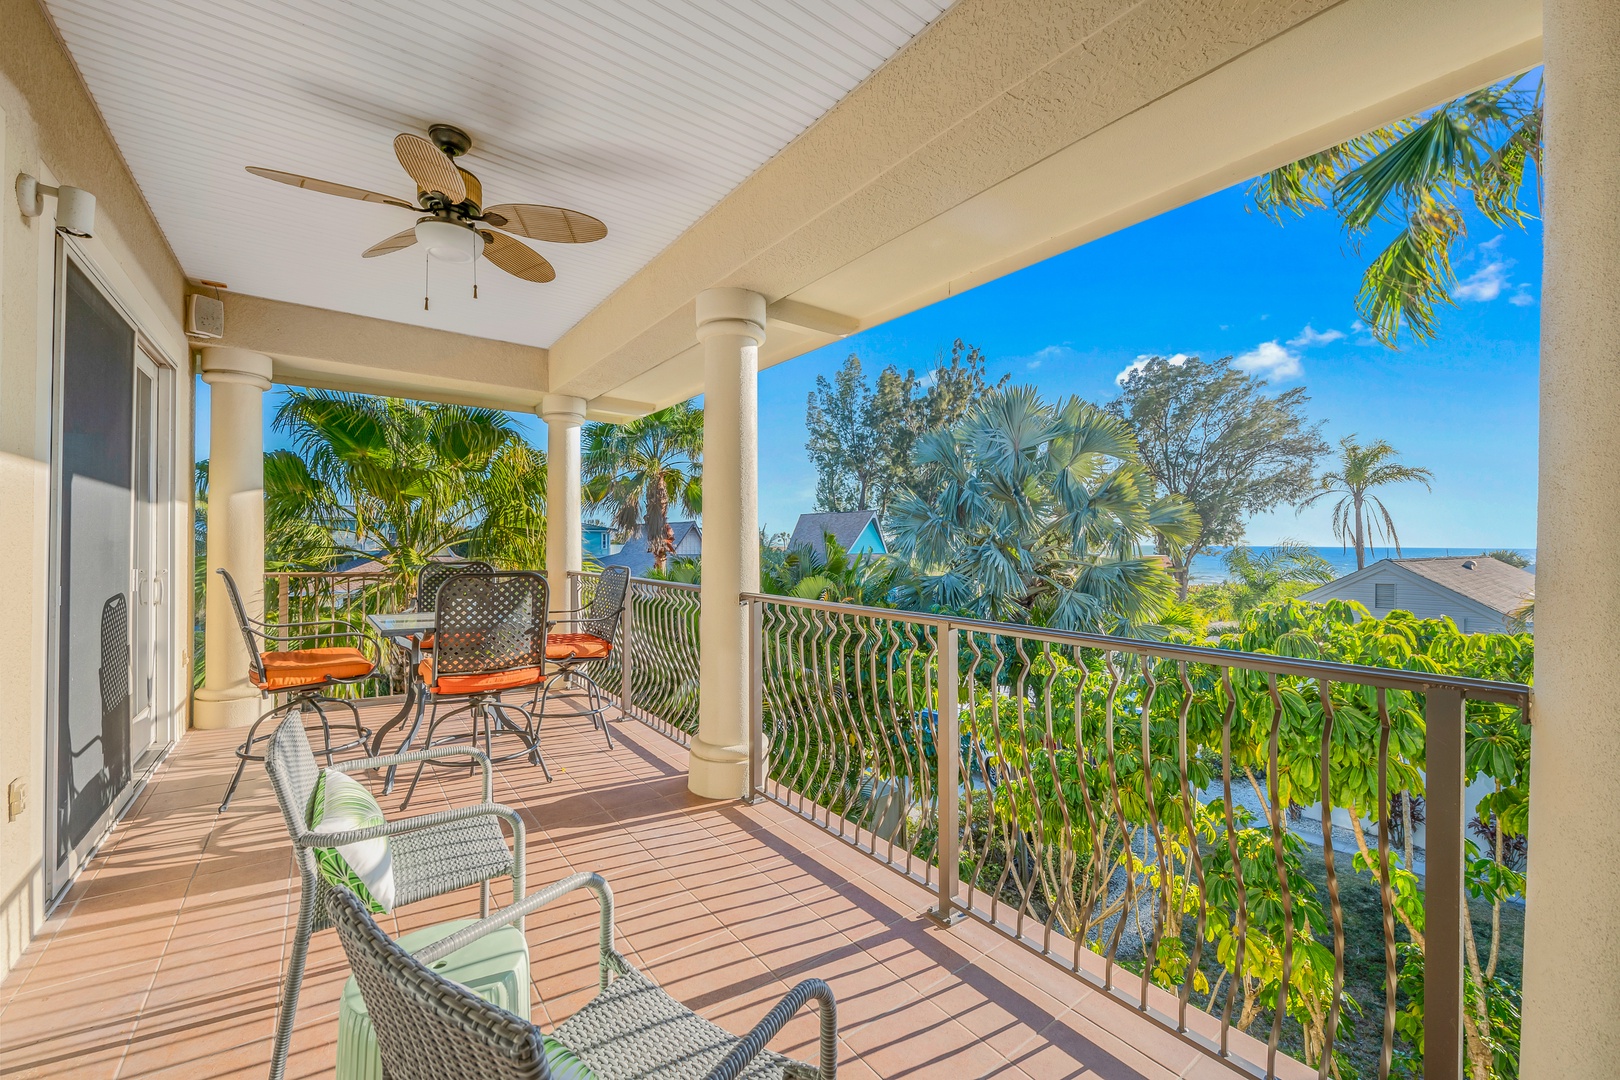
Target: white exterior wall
(1421, 598)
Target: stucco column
(1572, 917)
(564, 549)
(238, 379)
(731, 326)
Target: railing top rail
(329, 573)
(1506, 693)
(654, 582)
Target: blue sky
(1214, 279)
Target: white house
(1477, 593)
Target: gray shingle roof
(845, 528)
(635, 555)
(1495, 584)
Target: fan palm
(1030, 512)
(637, 471)
(400, 482)
(1413, 175)
(834, 575)
(1359, 515)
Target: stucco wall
(49, 127)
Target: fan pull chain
(427, 263)
(476, 253)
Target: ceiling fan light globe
(448, 241)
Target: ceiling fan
(452, 198)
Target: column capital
(228, 364)
(561, 408)
(731, 311)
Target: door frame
(166, 699)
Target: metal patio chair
(568, 654)
(303, 675)
(432, 854)
(489, 637)
(434, 574)
(429, 1028)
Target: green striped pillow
(341, 804)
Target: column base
(717, 772)
(231, 708)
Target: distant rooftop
(1495, 584)
(845, 528)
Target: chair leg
(427, 743)
(293, 981)
(244, 754)
(529, 733)
(326, 729)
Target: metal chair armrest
(750, 1045)
(529, 904)
(433, 754)
(415, 824)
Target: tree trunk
(1361, 543)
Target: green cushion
(341, 804)
(563, 1062)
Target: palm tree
(834, 575)
(1359, 514)
(1030, 512)
(400, 482)
(637, 471)
(1411, 175)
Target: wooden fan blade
(398, 242)
(551, 223)
(327, 187)
(519, 260)
(430, 167)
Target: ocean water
(1209, 567)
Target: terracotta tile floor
(164, 958)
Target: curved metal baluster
(1028, 889)
(853, 746)
(975, 744)
(1150, 947)
(1094, 856)
(1064, 871)
(1386, 894)
(1324, 692)
(1124, 823)
(1008, 831)
(1193, 854)
(1277, 826)
(1237, 861)
(805, 699)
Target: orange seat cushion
(577, 647)
(424, 643)
(481, 683)
(296, 668)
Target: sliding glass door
(108, 540)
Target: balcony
(1082, 934)
(164, 958)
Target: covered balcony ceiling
(644, 116)
(850, 161)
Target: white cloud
(1493, 243)
(1312, 336)
(1522, 298)
(1142, 361)
(1051, 352)
(1484, 284)
(1270, 360)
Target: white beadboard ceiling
(644, 113)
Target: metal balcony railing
(343, 598)
(1122, 806)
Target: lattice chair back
(607, 605)
(250, 636)
(429, 1028)
(489, 623)
(435, 574)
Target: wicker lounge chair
(432, 854)
(429, 1028)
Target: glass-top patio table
(407, 629)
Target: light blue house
(857, 532)
(597, 540)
